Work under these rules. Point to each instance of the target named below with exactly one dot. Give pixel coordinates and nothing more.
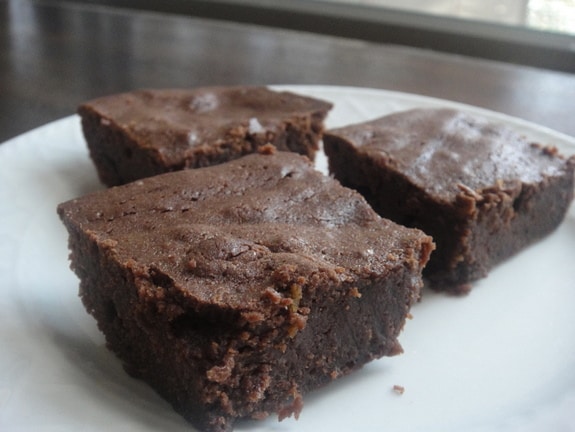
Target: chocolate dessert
(236, 289)
(148, 132)
(481, 190)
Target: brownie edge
(236, 289)
(148, 132)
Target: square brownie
(147, 132)
(235, 289)
(480, 189)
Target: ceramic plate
(499, 359)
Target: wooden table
(52, 57)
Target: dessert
(235, 289)
(147, 132)
(481, 190)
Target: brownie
(147, 132)
(480, 189)
(235, 289)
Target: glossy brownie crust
(234, 290)
(148, 132)
(482, 191)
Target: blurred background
(549, 15)
(538, 33)
(512, 56)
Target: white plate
(500, 359)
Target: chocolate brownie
(148, 132)
(235, 289)
(481, 190)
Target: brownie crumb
(398, 389)
(267, 149)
